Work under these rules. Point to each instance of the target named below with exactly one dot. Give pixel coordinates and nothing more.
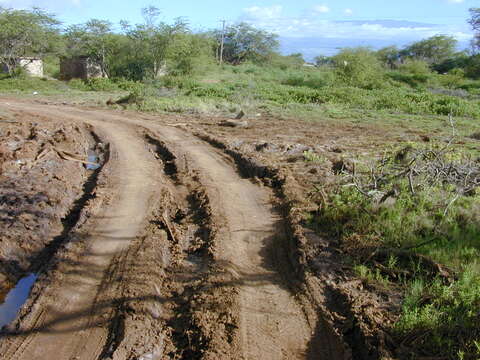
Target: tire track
(71, 324)
(272, 325)
(266, 320)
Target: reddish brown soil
(191, 244)
(37, 189)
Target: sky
(307, 26)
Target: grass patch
(29, 85)
(412, 218)
(275, 90)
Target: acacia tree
(26, 33)
(150, 42)
(94, 39)
(389, 56)
(433, 50)
(243, 42)
(475, 22)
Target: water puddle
(92, 158)
(15, 299)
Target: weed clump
(411, 218)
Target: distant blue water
(15, 299)
(315, 46)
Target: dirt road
(81, 308)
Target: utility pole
(222, 43)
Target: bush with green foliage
(433, 50)
(415, 73)
(472, 68)
(358, 67)
(415, 67)
(389, 56)
(287, 62)
(447, 313)
(187, 54)
(429, 221)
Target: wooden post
(222, 42)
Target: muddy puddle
(15, 299)
(93, 161)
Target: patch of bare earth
(42, 182)
(277, 153)
(178, 255)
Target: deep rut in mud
(186, 222)
(180, 257)
(270, 322)
(68, 317)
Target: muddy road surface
(174, 256)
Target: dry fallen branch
(168, 225)
(72, 157)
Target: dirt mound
(37, 189)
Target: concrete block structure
(33, 66)
(81, 67)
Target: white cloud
(321, 9)
(455, 1)
(267, 12)
(310, 25)
(348, 12)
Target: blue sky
(311, 27)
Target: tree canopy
(244, 42)
(26, 33)
(94, 39)
(389, 56)
(475, 22)
(433, 50)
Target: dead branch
(71, 157)
(168, 225)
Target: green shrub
(210, 91)
(440, 312)
(453, 79)
(359, 67)
(78, 84)
(450, 316)
(472, 69)
(289, 94)
(472, 86)
(128, 85)
(416, 67)
(313, 79)
(287, 62)
(188, 54)
(179, 82)
(101, 84)
(414, 80)
(51, 67)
